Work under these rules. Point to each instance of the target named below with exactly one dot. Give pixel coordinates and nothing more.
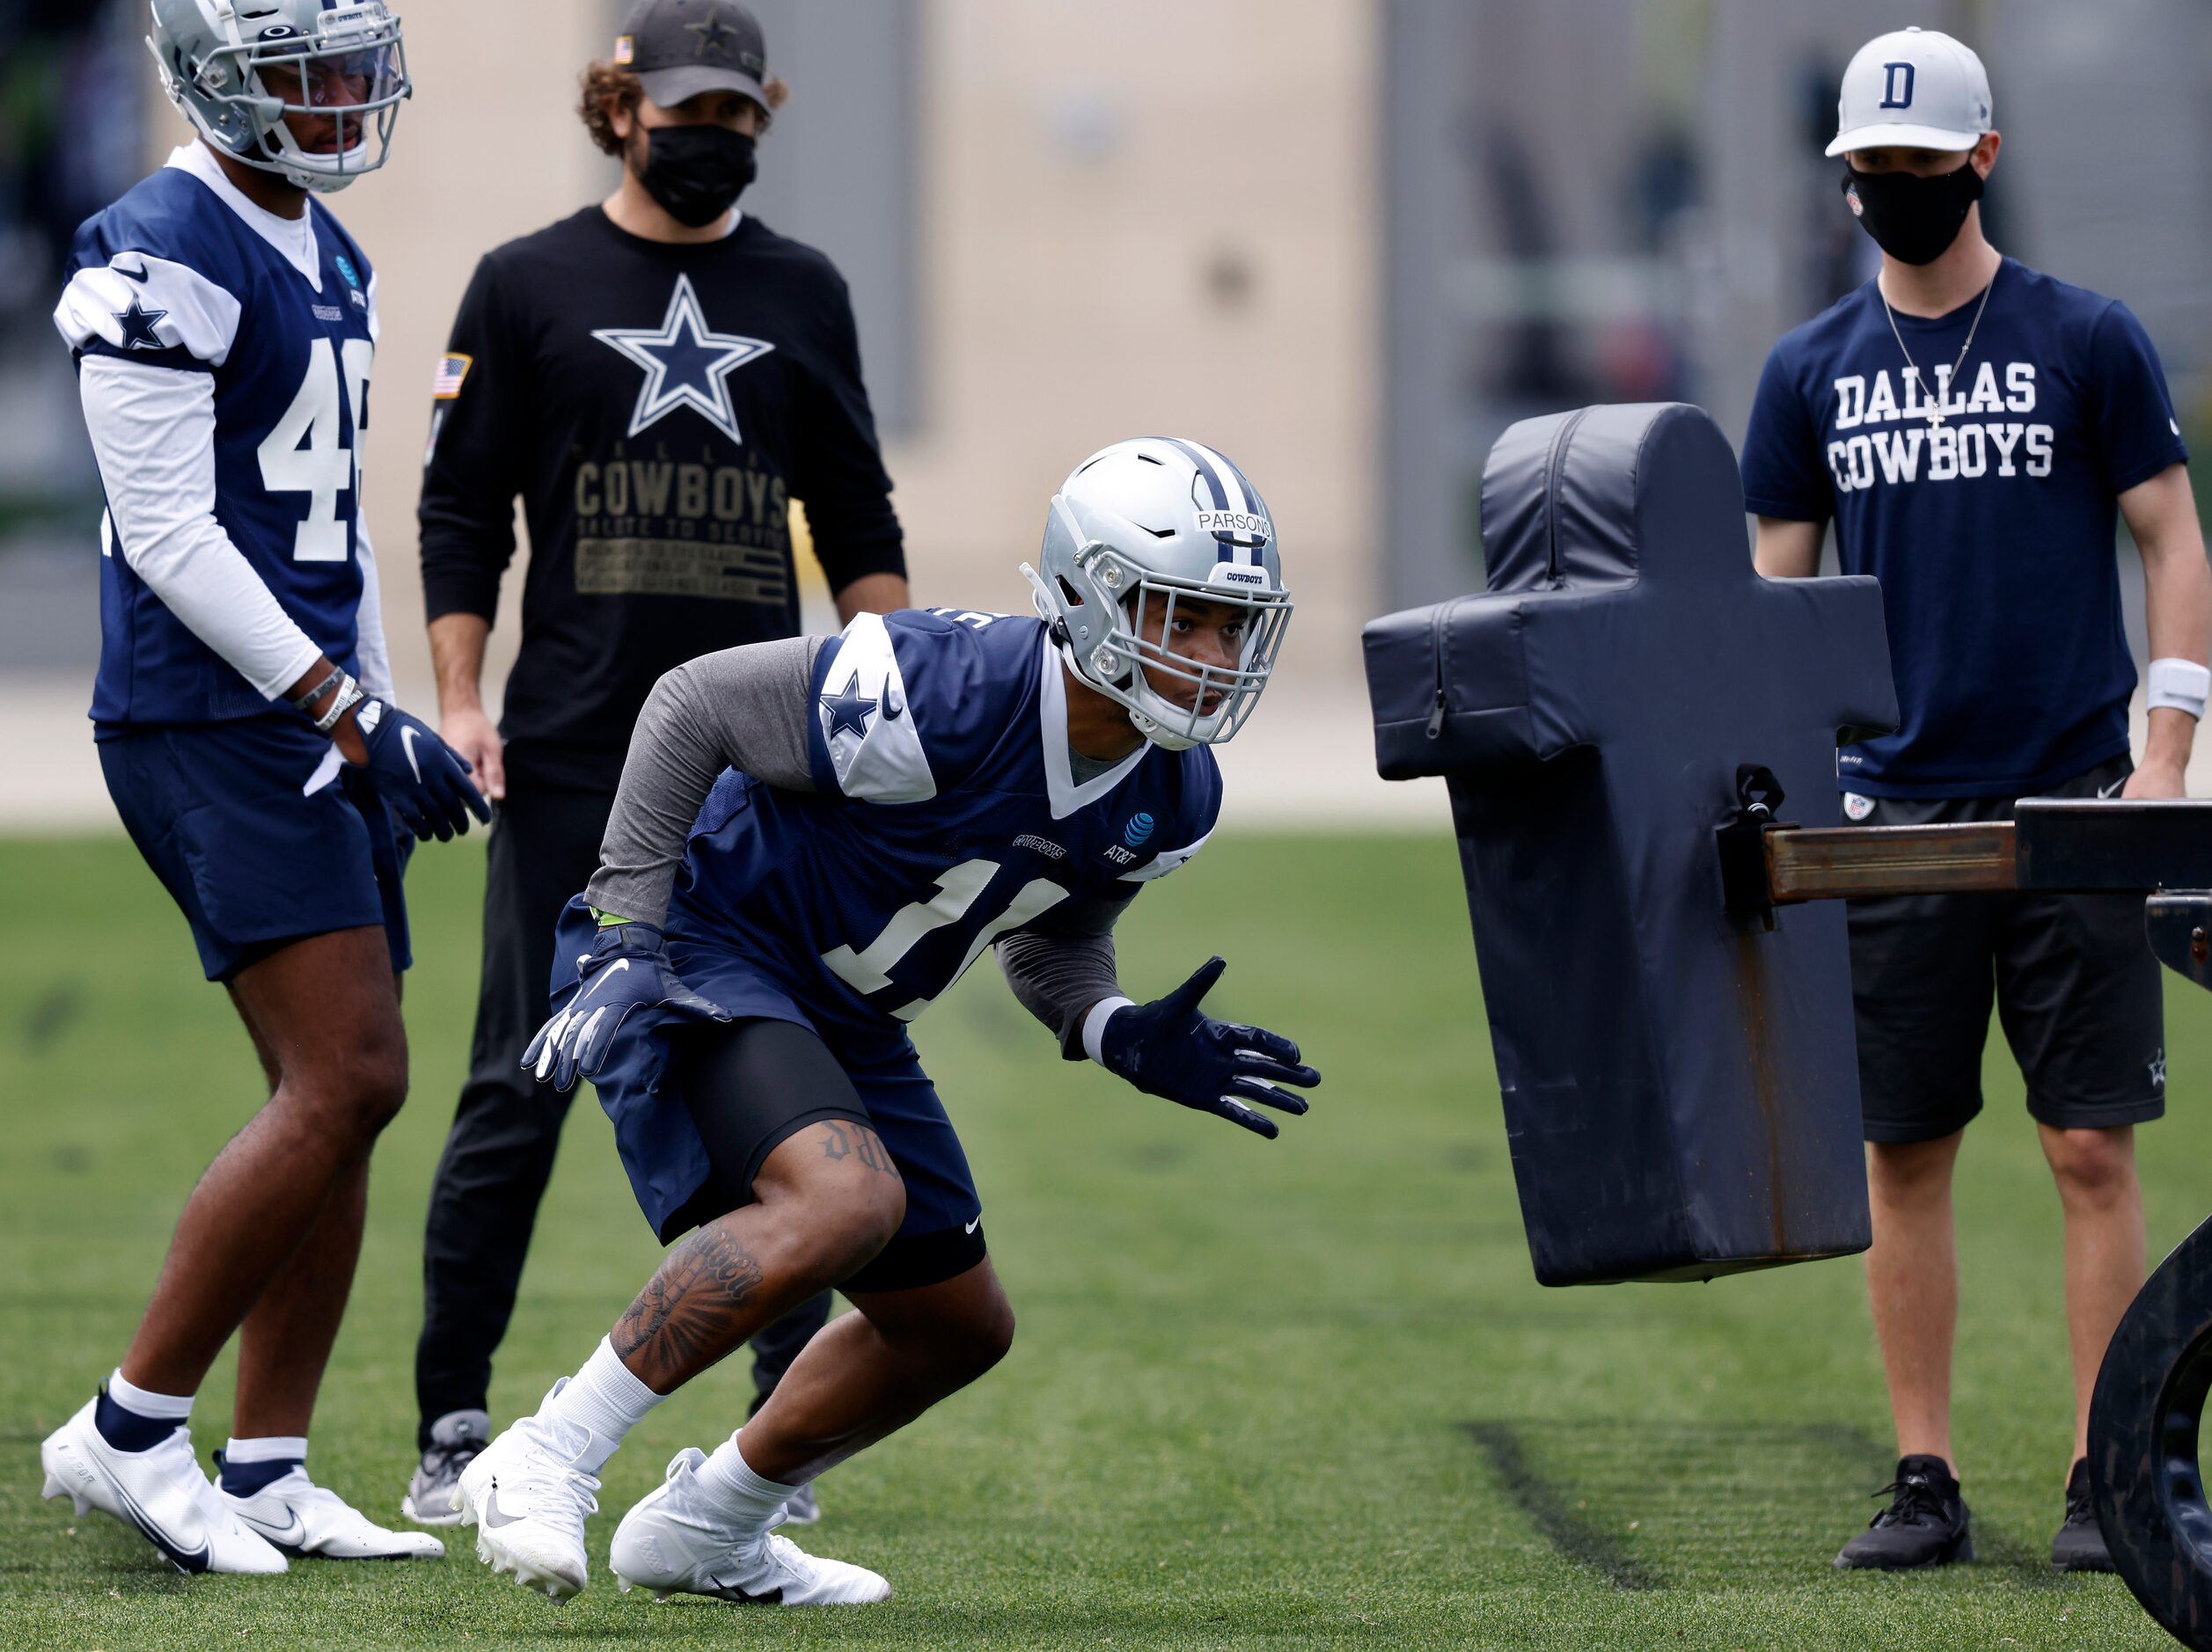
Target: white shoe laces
(544, 1468)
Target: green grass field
(1288, 1394)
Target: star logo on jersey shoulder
(138, 328)
(849, 709)
(687, 363)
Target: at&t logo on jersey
(1134, 835)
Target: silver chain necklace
(1935, 406)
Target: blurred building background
(1348, 241)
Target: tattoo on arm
(691, 1312)
(847, 1140)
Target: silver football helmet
(1135, 530)
(237, 68)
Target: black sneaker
(2079, 1545)
(1925, 1524)
(455, 1440)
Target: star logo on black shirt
(138, 328)
(712, 33)
(849, 709)
(687, 363)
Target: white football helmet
(342, 59)
(1136, 528)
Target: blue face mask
(1913, 219)
(697, 173)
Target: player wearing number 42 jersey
(223, 324)
(812, 840)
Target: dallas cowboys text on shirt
(681, 529)
(1893, 435)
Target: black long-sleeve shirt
(657, 407)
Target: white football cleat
(527, 1500)
(302, 1518)
(160, 1493)
(677, 1541)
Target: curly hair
(607, 86)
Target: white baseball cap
(1918, 89)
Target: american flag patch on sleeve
(445, 383)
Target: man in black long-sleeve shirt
(657, 378)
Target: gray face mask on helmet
(1142, 538)
(341, 72)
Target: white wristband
(2180, 684)
(1095, 1025)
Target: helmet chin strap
(1153, 731)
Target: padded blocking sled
(1681, 1087)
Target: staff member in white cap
(1971, 425)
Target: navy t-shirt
(1992, 533)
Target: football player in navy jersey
(1974, 427)
(812, 840)
(222, 325)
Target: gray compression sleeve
(743, 708)
(1063, 963)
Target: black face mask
(696, 172)
(1914, 220)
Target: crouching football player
(864, 816)
(224, 324)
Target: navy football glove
(423, 778)
(626, 969)
(1167, 1048)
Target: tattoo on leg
(682, 1319)
(842, 1141)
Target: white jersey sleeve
(864, 722)
(153, 433)
(138, 301)
(375, 651)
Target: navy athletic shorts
(645, 1089)
(2075, 988)
(256, 838)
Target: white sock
(750, 1499)
(603, 1398)
(268, 1448)
(146, 1403)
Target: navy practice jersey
(946, 816)
(173, 276)
(1992, 533)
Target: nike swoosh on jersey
(894, 707)
(138, 275)
(973, 1226)
(408, 737)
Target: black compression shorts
(754, 1084)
